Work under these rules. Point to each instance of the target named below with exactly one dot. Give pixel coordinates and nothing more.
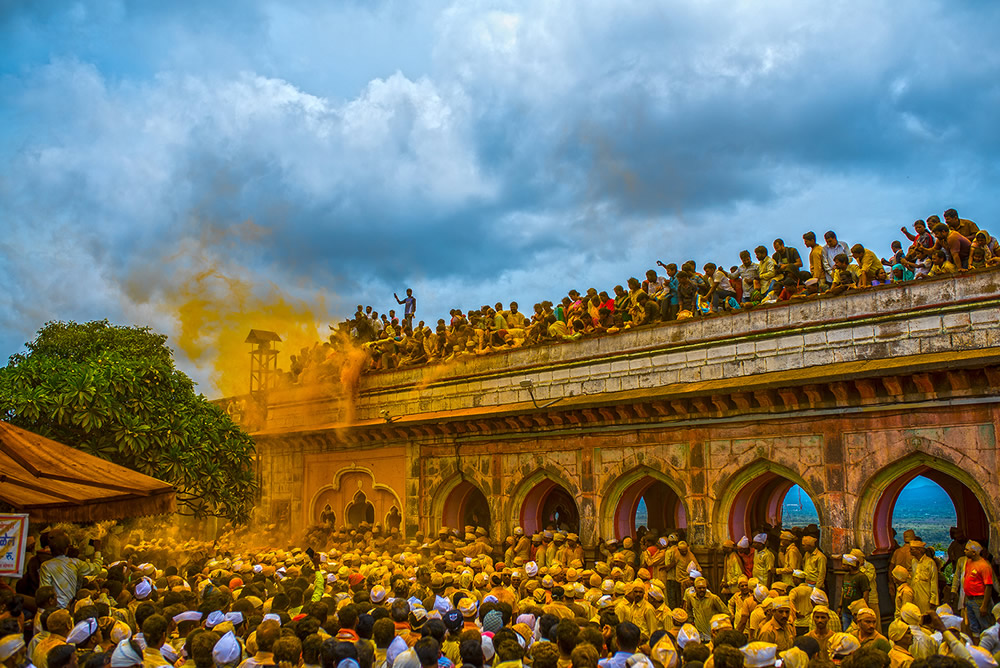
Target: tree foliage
(113, 392)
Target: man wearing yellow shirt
(923, 578)
(702, 605)
(763, 560)
(800, 598)
(636, 609)
(814, 562)
(868, 264)
(789, 557)
(678, 560)
(732, 572)
(816, 268)
(901, 585)
(901, 637)
(940, 264)
(778, 630)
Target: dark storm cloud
(476, 151)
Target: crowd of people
(365, 598)
(764, 276)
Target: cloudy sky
(205, 167)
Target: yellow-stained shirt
(65, 574)
(814, 565)
(703, 609)
(763, 564)
(802, 604)
(788, 561)
(641, 613)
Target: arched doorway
(548, 504)
(759, 503)
(663, 508)
(466, 505)
(970, 517)
(360, 510)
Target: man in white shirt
(832, 249)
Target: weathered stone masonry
(848, 397)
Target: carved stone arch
(359, 510)
(530, 494)
(621, 494)
(339, 494)
(447, 507)
(976, 512)
(758, 489)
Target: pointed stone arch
(458, 494)
(620, 498)
(528, 505)
(755, 493)
(976, 513)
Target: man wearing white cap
(763, 560)
(855, 587)
(800, 597)
(522, 544)
(759, 654)
(13, 651)
(227, 651)
(977, 580)
(745, 554)
(778, 630)
(923, 577)
(125, 656)
(732, 571)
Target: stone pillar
(501, 524)
(838, 533)
(699, 528)
(412, 512)
(587, 502)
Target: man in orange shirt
(977, 581)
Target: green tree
(113, 392)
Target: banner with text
(13, 540)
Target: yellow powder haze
(214, 302)
(215, 311)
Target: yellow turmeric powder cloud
(215, 311)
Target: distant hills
(922, 506)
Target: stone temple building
(709, 421)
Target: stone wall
(846, 397)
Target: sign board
(13, 540)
